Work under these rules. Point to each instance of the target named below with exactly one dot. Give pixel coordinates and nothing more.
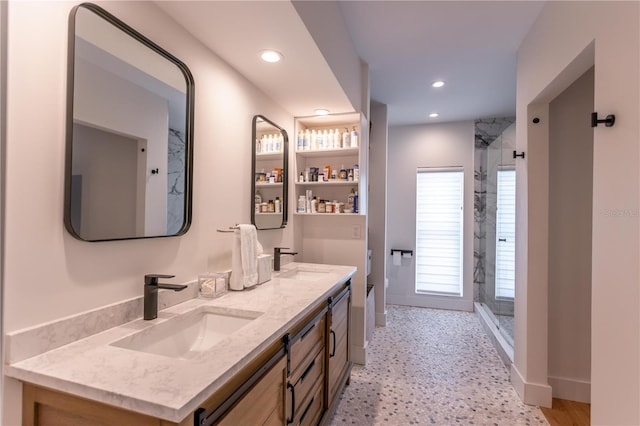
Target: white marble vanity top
(172, 388)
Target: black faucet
(276, 256)
(151, 286)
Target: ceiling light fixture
(434, 115)
(321, 111)
(437, 83)
(271, 56)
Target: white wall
(48, 274)
(570, 205)
(410, 147)
(553, 54)
(378, 207)
(337, 48)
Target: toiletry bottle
(350, 175)
(307, 140)
(301, 178)
(322, 206)
(350, 201)
(271, 206)
(320, 139)
(343, 173)
(355, 203)
(258, 146)
(277, 205)
(314, 205)
(325, 138)
(337, 139)
(354, 138)
(327, 172)
(331, 140)
(300, 142)
(346, 138)
(258, 201)
(314, 140)
(301, 204)
(280, 142)
(356, 173)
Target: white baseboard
(571, 389)
(381, 319)
(359, 354)
(431, 301)
(530, 393)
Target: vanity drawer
(305, 349)
(308, 379)
(312, 407)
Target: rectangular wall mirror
(269, 174)
(129, 133)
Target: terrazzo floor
(432, 367)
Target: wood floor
(568, 413)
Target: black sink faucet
(277, 252)
(151, 286)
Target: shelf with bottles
(269, 144)
(332, 168)
(268, 185)
(318, 137)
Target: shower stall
(494, 231)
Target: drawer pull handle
(333, 351)
(308, 331)
(293, 403)
(306, 410)
(307, 370)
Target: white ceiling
(470, 44)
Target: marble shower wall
(486, 132)
(175, 181)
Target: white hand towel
(244, 258)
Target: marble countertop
(172, 388)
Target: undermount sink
(303, 274)
(189, 333)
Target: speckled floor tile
(432, 367)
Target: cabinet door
(339, 364)
(264, 403)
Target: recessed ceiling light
(434, 115)
(437, 83)
(271, 56)
(321, 111)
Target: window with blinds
(506, 235)
(439, 223)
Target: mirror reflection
(269, 169)
(129, 133)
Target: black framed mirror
(269, 169)
(129, 142)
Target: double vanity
(276, 354)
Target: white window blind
(439, 214)
(506, 235)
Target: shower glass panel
(494, 277)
